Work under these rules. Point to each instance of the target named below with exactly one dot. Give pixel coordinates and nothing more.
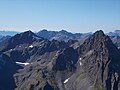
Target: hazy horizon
(71, 15)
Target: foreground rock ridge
(31, 62)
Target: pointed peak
(99, 33)
(44, 30)
(25, 37)
(28, 32)
(97, 41)
(63, 31)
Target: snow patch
(22, 63)
(66, 80)
(72, 62)
(19, 46)
(31, 46)
(80, 63)
(80, 58)
(11, 49)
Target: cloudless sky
(70, 15)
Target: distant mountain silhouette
(115, 33)
(115, 36)
(62, 35)
(8, 33)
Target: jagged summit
(44, 30)
(64, 31)
(97, 41)
(28, 34)
(99, 33)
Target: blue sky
(71, 15)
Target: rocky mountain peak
(28, 34)
(100, 60)
(97, 41)
(27, 37)
(99, 33)
(63, 31)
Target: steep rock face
(66, 60)
(7, 70)
(98, 65)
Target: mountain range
(115, 33)
(50, 60)
(64, 35)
